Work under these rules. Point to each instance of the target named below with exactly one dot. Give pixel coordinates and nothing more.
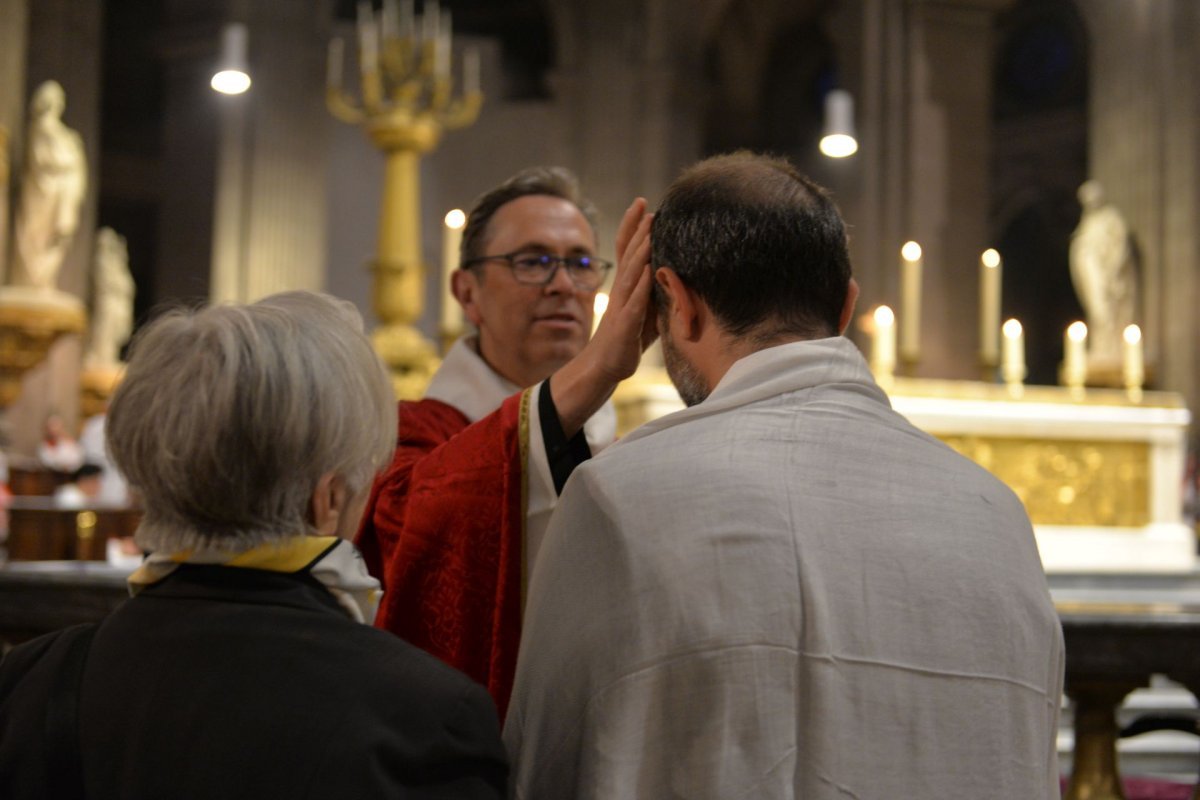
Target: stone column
(13, 30)
(269, 232)
(945, 193)
(1143, 128)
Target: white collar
(774, 371)
(466, 382)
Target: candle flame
(990, 258)
(884, 317)
(1012, 329)
(1077, 331)
(1133, 334)
(456, 219)
(911, 251)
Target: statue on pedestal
(52, 191)
(112, 301)
(1104, 271)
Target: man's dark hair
(552, 181)
(761, 244)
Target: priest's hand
(627, 328)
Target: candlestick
(1134, 366)
(1012, 368)
(989, 307)
(910, 302)
(451, 242)
(1074, 374)
(883, 343)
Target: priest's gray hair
(228, 417)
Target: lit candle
(471, 70)
(451, 242)
(1075, 355)
(883, 345)
(599, 306)
(910, 301)
(1012, 367)
(989, 307)
(1135, 370)
(333, 70)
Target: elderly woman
(242, 666)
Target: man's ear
(465, 284)
(684, 309)
(848, 306)
(328, 504)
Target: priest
(454, 524)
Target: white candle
(333, 69)
(1075, 354)
(1135, 370)
(429, 23)
(883, 344)
(599, 306)
(1012, 367)
(407, 26)
(442, 48)
(910, 301)
(451, 242)
(989, 306)
(471, 70)
(368, 38)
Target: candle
(451, 242)
(989, 307)
(429, 23)
(441, 60)
(333, 70)
(1135, 371)
(1012, 367)
(471, 70)
(407, 26)
(599, 306)
(1075, 355)
(883, 344)
(368, 38)
(910, 301)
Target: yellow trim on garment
(523, 439)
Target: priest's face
(527, 332)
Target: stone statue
(52, 190)
(1104, 271)
(112, 303)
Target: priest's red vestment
(443, 531)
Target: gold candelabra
(406, 100)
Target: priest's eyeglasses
(538, 269)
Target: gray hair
(551, 181)
(229, 416)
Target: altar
(1100, 473)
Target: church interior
(1035, 161)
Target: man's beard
(687, 379)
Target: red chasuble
(443, 531)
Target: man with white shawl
(785, 590)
